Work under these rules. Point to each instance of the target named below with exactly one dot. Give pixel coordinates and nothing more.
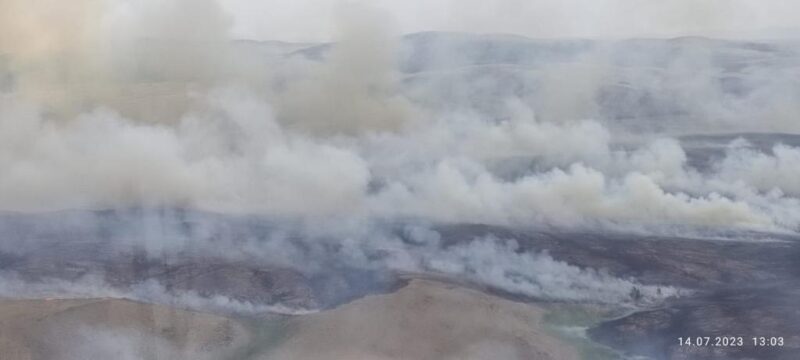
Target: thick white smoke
(116, 104)
(356, 90)
(497, 263)
(778, 171)
(233, 158)
(240, 159)
(337, 135)
(146, 112)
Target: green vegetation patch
(267, 333)
(569, 322)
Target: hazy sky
(312, 20)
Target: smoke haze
(539, 18)
(111, 104)
(342, 127)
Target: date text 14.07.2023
(723, 341)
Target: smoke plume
(120, 105)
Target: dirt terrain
(425, 320)
(106, 328)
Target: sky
(314, 20)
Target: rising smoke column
(173, 123)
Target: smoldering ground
(321, 266)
